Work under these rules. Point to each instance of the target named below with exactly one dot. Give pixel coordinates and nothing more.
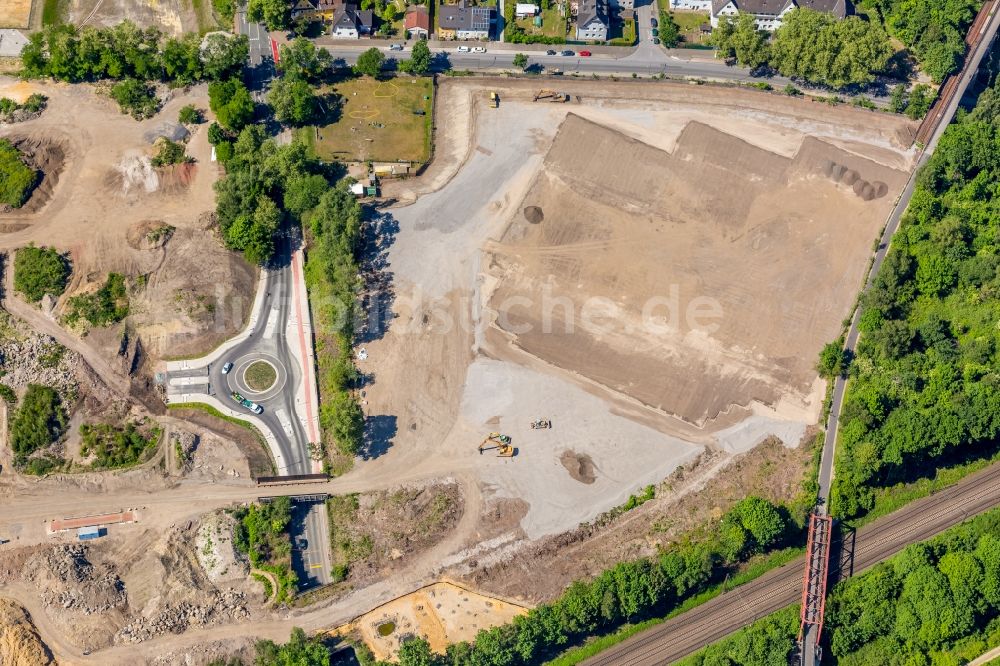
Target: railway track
(782, 587)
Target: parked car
(656, 40)
(656, 33)
(550, 52)
(301, 543)
(462, 49)
(395, 47)
(585, 54)
(479, 49)
(653, 22)
(227, 367)
(566, 53)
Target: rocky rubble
(29, 358)
(228, 605)
(68, 580)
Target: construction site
(588, 291)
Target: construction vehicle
(551, 96)
(541, 424)
(252, 406)
(494, 99)
(499, 442)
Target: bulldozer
(499, 442)
(494, 99)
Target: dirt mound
(48, 158)
(148, 234)
(579, 466)
(20, 644)
(134, 172)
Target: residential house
(417, 22)
(769, 13)
(351, 23)
(525, 10)
(592, 22)
(316, 9)
(462, 21)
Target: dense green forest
(925, 389)
(628, 592)
(936, 602)
(815, 47)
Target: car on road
(301, 543)
(227, 367)
(550, 52)
(653, 22)
(585, 54)
(462, 49)
(566, 53)
(479, 49)
(395, 47)
(252, 406)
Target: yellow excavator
(499, 442)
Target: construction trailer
(88, 533)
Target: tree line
(925, 389)
(816, 47)
(936, 602)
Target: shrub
(136, 98)
(106, 306)
(190, 115)
(116, 446)
(8, 395)
(16, 178)
(38, 422)
(170, 152)
(39, 271)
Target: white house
(351, 23)
(769, 13)
(525, 10)
(592, 21)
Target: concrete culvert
(838, 172)
(850, 177)
(534, 214)
(860, 185)
(868, 193)
(881, 189)
(828, 167)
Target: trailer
(88, 533)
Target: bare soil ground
(99, 191)
(20, 644)
(442, 613)
(171, 16)
(15, 13)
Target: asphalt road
(877, 541)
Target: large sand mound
(693, 280)
(20, 644)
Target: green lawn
(690, 23)
(53, 11)
(377, 122)
(553, 24)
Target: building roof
(348, 17)
(11, 42)
(417, 17)
(526, 8)
(463, 17)
(775, 7)
(590, 11)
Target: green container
(538, 21)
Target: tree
(370, 63)
(520, 61)
(670, 32)
(739, 38)
(761, 519)
(276, 14)
(136, 98)
(300, 59)
(39, 271)
(821, 49)
(293, 101)
(417, 652)
(231, 103)
(298, 651)
(920, 101)
(223, 55)
(833, 360)
(420, 59)
(897, 99)
(346, 421)
(190, 115)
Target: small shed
(87, 533)
(523, 9)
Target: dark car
(656, 40)
(550, 52)
(653, 22)
(567, 53)
(301, 543)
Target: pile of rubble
(66, 579)
(228, 606)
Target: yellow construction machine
(499, 442)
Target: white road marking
(283, 419)
(272, 322)
(189, 381)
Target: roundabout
(259, 376)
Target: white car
(479, 49)
(395, 47)
(462, 49)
